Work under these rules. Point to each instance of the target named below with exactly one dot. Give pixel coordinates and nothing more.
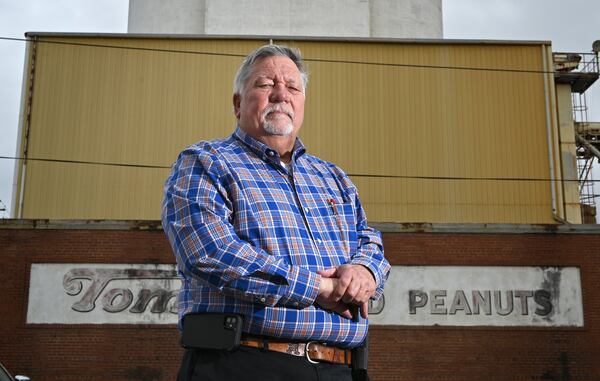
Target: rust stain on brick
(551, 284)
(549, 228)
(146, 225)
(564, 366)
(416, 227)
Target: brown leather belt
(313, 351)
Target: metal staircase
(580, 70)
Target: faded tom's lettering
(119, 299)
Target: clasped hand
(346, 289)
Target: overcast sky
(570, 25)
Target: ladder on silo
(588, 148)
(580, 71)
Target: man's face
(272, 102)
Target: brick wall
(81, 352)
(443, 353)
(122, 352)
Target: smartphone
(221, 331)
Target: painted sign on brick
(482, 296)
(102, 293)
(414, 295)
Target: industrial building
(471, 157)
(430, 130)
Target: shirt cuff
(303, 288)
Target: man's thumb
(328, 273)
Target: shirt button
(263, 299)
(271, 153)
(296, 304)
(319, 241)
(306, 210)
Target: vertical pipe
(549, 131)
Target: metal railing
(576, 62)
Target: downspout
(549, 135)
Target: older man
(262, 229)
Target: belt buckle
(306, 348)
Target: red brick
(122, 352)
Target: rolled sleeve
(369, 252)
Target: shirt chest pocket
(337, 223)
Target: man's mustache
(278, 107)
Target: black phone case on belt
(212, 331)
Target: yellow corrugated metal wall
(407, 124)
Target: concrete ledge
(81, 224)
(387, 227)
(384, 227)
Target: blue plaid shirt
(249, 237)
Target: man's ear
(237, 100)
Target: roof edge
(293, 38)
(385, 227)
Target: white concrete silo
(325, 18)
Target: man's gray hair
(269, 51)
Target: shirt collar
(264, 151)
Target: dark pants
(247, 363)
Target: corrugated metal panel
(121, 106)
(432, 122)
(135, 106)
